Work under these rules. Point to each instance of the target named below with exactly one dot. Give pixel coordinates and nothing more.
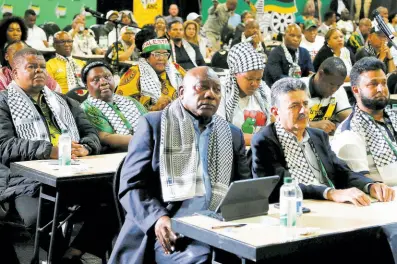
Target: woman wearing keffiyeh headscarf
(245, 96)
(154, 81)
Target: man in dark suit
(180, 161)
(289, 148)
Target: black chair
(99, 30)
(116, 185)
(50, 28)
(79, 94)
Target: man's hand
(164, 234)
(54, 153)
(78, 150)
(384, 52)
(353, 195)
(325, 125)
(382, 192)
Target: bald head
(231, 5)
(365, 26)
(293, 36)
(63, 43)
(12, 49)
(201, 92)
(252, 30)
(384, 13)
(173, 10)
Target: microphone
(383, 27)
(96, 13)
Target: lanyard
(388, 141)
(321, 165)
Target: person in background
(112, 15)
(209, 148)
(360, 35)
(245, 16)
(126, 47)
(78, 19)
(191, 32)
(288, 59)
(114, 116)
(245, 98)
(160, 27)
(335, 46)
(219, 59)
(11, 30)
(376, 46)
(310, 39)
(195, 17)
(366, 141)
(328, 101)
(84, 43)
(329, 22)
(345, 24)
(173, 12)
(127, 18)
(337, 7)
(290, 148)
(393, 21)
(65, 69)
(7, 15)
(234, 20)
(184, 53)
(309, 13)
(6, 71)
(37, 38)
(218, 17)
(155, 80)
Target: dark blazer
(268, 159)
(140, 190)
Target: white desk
(88, 57)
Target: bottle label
(299, 208)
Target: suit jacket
(140, 190)
(268, 159)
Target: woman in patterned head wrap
(114, 116)
(245, 96)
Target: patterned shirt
(355, 41)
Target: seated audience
(195, 17)
(205, 145)
(376, 46)
(6, 71)
(245, 16)
(328, 101)
(245, 97)
(345, 24)
(191, 33)
(366, 141)
(114, 116)
(309, 13)
(384, 13)
(334, 46)
(393, 21)
(310, 39)
(155, 80)
(329, 22)
(359, 37)
(186, 54)
(173, 11)
(77, 19)
(127, 18)
(64, 69)
(7, 15)
(14, 29)
(289, 148)
(32, 118)
(160, 27)
(37, 38)
(84, 42)
(126, 47)
(288, 59)
(112, 15)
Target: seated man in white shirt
(328, 100)
(84, 43)
(366, 141)
(345, 24)
(311, 40)
(37, 38)
(329, 22)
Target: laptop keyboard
(211, 214)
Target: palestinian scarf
(376, 143)
(27, 120)
(297, 164)
(191, 53)
(72, 72)
(259, 47)
(294, 68)
(371, 51)
(243, 58)
(126, 106)
(179, 156)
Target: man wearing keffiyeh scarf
(290, 148)
(367, 139)
(245, 97)
(180, 161)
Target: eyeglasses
(63, 42)
(97, 79)
(159, 55)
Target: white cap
(192, 16)
(110, 13)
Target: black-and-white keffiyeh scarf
(27, 120)
(243, 58)
(297, 164)
(150, 82)
(191, 53)
(179, 156)
(376, 144)
(294, 69)
(126, 106)
(259, 47)
(371, 51)
(72, 71)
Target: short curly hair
(4, 24)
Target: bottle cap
(287, 180)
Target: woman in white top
(335, 46)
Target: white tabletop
(87, 57)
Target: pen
(227, 226)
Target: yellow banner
(146, 10)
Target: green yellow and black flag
(280, 6)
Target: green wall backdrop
(241, 6)
(47, 9)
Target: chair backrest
(116, 185)
(79, 94)
(50, 28)
(99, 30)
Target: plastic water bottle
(51, 40)
(65, 148)
(288, 208)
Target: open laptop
(245, 198)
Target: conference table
(328, 225)
(58, 182)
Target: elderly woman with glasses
(154, 82)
